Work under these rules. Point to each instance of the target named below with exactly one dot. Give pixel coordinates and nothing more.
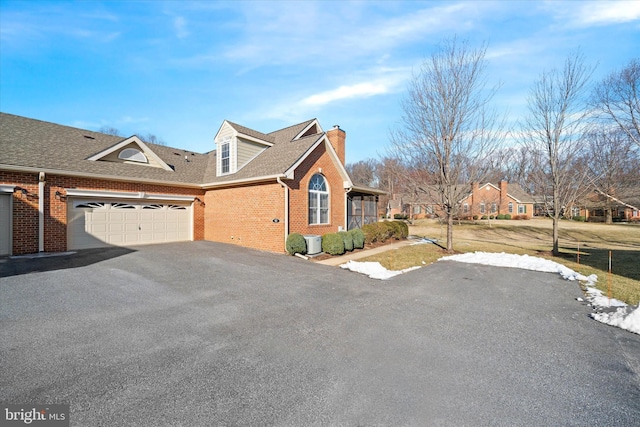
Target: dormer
(131, 151)
(236, 146)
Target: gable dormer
(131, 151)
(236, 146)
(311, 129)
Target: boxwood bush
(296, 244)
(333, 244)
(507, 216)
(358, 238)
(347, 239)
(375, 232)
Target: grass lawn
(533, 237)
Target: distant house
(65, 188)
(597, 206)
(482, 200)
(490, 199)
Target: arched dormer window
(318, 200)
(133, 155)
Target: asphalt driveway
(201, 334)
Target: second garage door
(93, 223)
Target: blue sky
(178, 69)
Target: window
(510, 207)
(494, 208)
(522, 209)
(133, 155)
(482, 208)
(465, 208)
(318, 200)
(225, 158)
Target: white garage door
(5, 224)
(93, 224)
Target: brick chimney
(337, 138)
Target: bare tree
(613, 166)
(109, 130)
(364, 172)
(553, 134)
(617, 98)
(149, 137)
(448, 132)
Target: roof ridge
(289, 127)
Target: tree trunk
(556, 220)
(608, 216)
(449, 232)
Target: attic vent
(88, 137)
(133, 155)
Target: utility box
(314, 244)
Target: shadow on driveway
(13, 266)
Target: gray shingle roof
(36, 144)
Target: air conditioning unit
(314, 244)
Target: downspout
(286, 209)
(41, 182)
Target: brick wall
(25, 207)
(244, 216)
(299, 195)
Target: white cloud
(180, 26)
(609, 12)
(360, 90)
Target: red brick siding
(244, 216)
(299, 194)
(25, 208)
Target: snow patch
(375, 270)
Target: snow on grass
(624, 317)
(375, 270)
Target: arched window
(133, 155)
(318, 200)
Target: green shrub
(400, 216)
(579, 218)
(358, 238)
(484, 217)
(399, 230)
(333, 244)
(475, 217)
(507, 216)
(347, 239)
(375, 232)
(500, 216)
(296, 244)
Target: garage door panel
(103, 223)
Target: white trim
(252, 138)
(243, 181)
(306, 128)
(7, 188)
(72, 192)
(132, 140)
(13, 168)
(347, 183)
